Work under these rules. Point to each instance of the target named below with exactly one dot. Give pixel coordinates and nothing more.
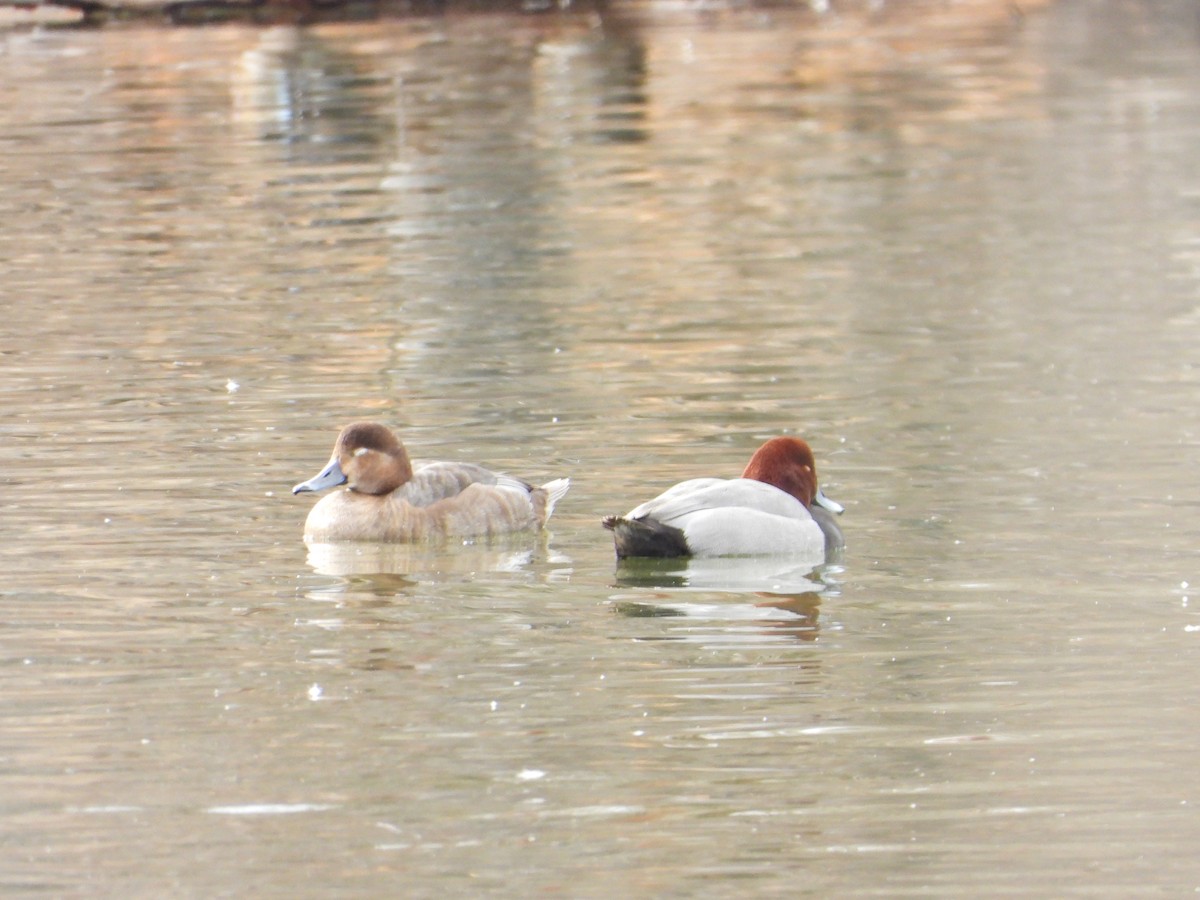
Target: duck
(776, 508)
(389, 499)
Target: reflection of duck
(738, 574)
(415, 563)
(388, 499)
(792, 616)
(769, 511)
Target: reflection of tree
(321, 101)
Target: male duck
(389, 500)
(768, 511)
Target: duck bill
(825, 503)
(330, 476)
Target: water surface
(957, 248)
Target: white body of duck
(774, 509)
(389, 499)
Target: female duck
(387, 499)
(768, 511)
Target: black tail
(645, 537)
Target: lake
(954, 245)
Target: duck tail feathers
(555, 491)
(645, 537)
